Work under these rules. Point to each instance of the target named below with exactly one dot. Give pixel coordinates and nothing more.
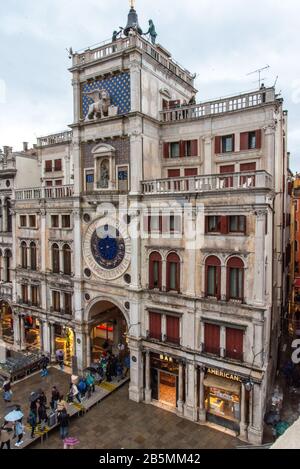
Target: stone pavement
(118, 423)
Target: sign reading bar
(223, 374)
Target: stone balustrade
(57, 192)
(225, 182)
(107, 49)
(220, 106)
(55, 139)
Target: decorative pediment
(103, 149)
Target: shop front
(164, 379)
(64, 340)
(6, 323)
(223, 398)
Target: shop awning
(212, 381)
(297, 282)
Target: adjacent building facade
(158, 222)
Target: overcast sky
(220, 40)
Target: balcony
(216, 182)
(36, 193)
(55, 139)
(220, 106)
(108, 49)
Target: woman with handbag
(5, 435)
(7, 392)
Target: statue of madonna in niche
(104, 175)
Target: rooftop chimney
(25, 146)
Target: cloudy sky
(220, 40)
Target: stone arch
(106, 299)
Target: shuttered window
(250, 140)
(48, 166)
(173, 330)
(227, 181)
(173, 272)
(155, 326)
(155, 271)
(249, 179)
(235, 279)
(212, 339)
(213, 277)
(234, 343)
(57, 165)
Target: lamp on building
(249, 385)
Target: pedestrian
(7, 392)
(74, 392)
(32, 419)
(6, 434)
(19, 431)
(42, 397)
(126, 365)
(42, 414)
(90, 381)
(54, 398)
(120, 375)
(82, 387)
(63, 420)
(44, 365)
(61, 404)
(60, 359)
(109, 370)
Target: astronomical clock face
(107, 249)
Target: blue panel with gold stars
(118, 88)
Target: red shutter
(217, 145)
(227, 169)
(234, 343)
(173, 329)
(233, 142)
(258, 138)
(244, 145)
(48, 166)
(224, 225)
(182, 149)
(212, 339)
(155, 326)
(166, 150)
(247, 167)
(194, 148)
(290, 188)
(57, 165)
(173, 173)
(191, 172)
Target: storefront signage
(223, 374)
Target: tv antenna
(259, 71)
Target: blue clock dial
(108, 247)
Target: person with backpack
(63, 420)
(42, 414)
(32, 420)
(82, 387)
(44, 365)
(6, 435)
(90, 381)
(7, 392)
(54, 398)
(19, 431)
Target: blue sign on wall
(118, 87)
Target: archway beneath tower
(107, 330)
(6, 323)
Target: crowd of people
(41, 414)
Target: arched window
(9, 215)
(33, 256)
(173, 272)
(24, 255)
(235, 279)
(67, 259)
(55, 259)
(155, 271)
(213, 277)
(8, 256)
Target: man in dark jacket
(63, 420)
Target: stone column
(61, 260)
(164, 275)
(255, 429)
(52, 335)
(4, 215)
(180, 389)
(148, 391)
(88, 349)
(243, 424)
(259, 267)
(76, 96)
(136, 155)
(2, 219)
(190, 407)
(80, 350)
(135, 82)
(207, 163)
(136, 391)
(47, 339)
(163, 327)
(78, 300)
(135, 247)
(17, 332)
(22, 334)
(223, 283)
(202, 411)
